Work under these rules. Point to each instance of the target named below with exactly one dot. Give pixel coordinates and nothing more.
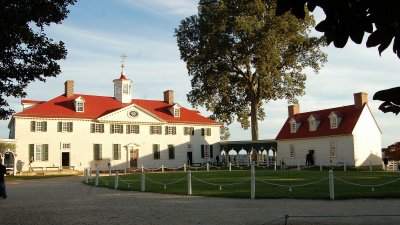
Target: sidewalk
(66, 200)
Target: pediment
(131, 114)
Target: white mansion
(80, 130)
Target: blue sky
(96, 33)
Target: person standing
(385, 162)
(2, 182)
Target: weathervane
(123, 58)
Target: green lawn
(269, 183)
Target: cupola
(122, 86)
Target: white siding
(321, 147)
(81, 140)
(367, 140)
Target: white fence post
(275, 165)
(116, 180)
(97, 178)
(230, 166)
(370, 166)
(85, 172)
(142, 168)
(142, 182)
(162, 168)
(298, 166)
(253, 182)
(109, 171)
(320, 166)
(344, 167)
(331, 185)
(184, 167)
(208, 166)
(189, 179)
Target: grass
(269, 184)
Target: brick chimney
(360, 99)
(69, 88)
(169, 97)
(293, 110)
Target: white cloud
(162, 7)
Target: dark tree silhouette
(392, 151)
(26, 53)
(354, 18)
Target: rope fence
(115, 181)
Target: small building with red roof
(86, 131)
(342, 135)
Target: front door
(133, 157)
(65, 159)
(189, 158)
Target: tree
(240, 55)
(26, 53)
(392, 151)
(354, 18)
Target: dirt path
(68, 201)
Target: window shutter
(202, 131)
(138, 129)
(45, 152)
(211, 152)
(101, 129)
(95, 151)
(92, 128)
(122, 129)
(166, 130)
(202, 151)
(128, 131)
(100, 153)
(59, 126)
(33, 126)
(174, 130)
(208, 131)
(70, 127)
(151, 129)
(192, 129)
(31, 151)
(112, 128)
(115, 150)
(44, 126)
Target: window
(116, 128)
(117, 151)
(155, 130)
(80, 106)
(170, 130)
(177, 112)
(188, 130)
(156, 151)
(38, 126)
(292, 152)
(65, 146)
(125, 89)
(312, 125)
(97, 155)
(206, 151)
(206, 131)
(39, 152)
(132, 129)
(64, 126)
(293, 127)
(332, 152)
(333, 122)
(96, 128)
(171, 151)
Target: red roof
(349, 117)
(31, 101)
(97, 106)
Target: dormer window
(175, 110)
(294, 125)
(313, 122)
(335, 119)
(79, 104)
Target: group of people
(309, 159)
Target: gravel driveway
(66, 200)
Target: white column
(331, 185)
(189, 179)
(253, 182)
(116, 180)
